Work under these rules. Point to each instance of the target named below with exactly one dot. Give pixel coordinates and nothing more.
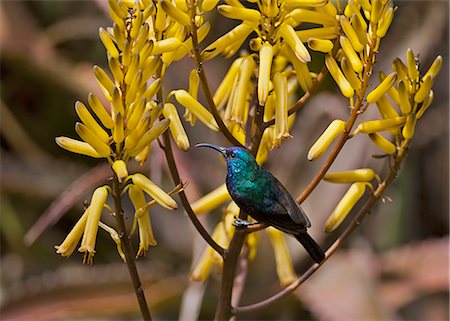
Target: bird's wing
(286, 201)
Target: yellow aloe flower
(90, 231)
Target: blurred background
(395, 266)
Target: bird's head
(236, 157)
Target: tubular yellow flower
(405, 104)
(223, 92)
(118, 8)
(265, 65)
(141, 40)
(413, 71)
(208, 5)
(338, 76)
(240, 32)
(67, 247)
(183, 50)
(194, 81)
(354, 193)
(385, 108)
(283, 261)
(114, 66)
(299, 15)
(89, 137)
(143, 155)
(119, 34)
(304, 3)
(401, 69)
(426, 103)
(375, 13)
(104, 81)
(166, 45)
(161, 197)
(351, 34)
(176, 127)
(136, 25)
(350, 75)
(424, 90)
(146, 237)
(118, 131)
(152, 89)
(373, 126)
(356, 175)
(360, 26)
(320, 33)
(90, 122)
(301, 71)
(239, 13)
(132, 69)
(90, 231)
(383, 143)
(108, 43)
(76, 146)
(281, 110)
(187, 101)
(212, 200)
(175, 13)
(136, 86)
(120, 168)
(333, 130)
(434, 68)
(100, 111)
(136, 110)
(117, 102)
(288, 33)
(149, 136)
(351, 54)
(382, 88)
(410, 124)
(134, 136)
(385, 22)
(321, 45)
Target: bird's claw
(238, 222)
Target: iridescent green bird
(259, 194)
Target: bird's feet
(238, 222)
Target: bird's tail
(311, 246)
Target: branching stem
(128, 251)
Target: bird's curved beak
(217, 148)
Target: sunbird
(259, 194)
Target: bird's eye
(232, 155)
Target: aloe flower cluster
(270, 77)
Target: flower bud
(383, 143)
(120, 168)
(348, 201)
(382, 88)
(356, 175)
(161, 197)
(336, 128)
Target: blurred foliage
(47, 50)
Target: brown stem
(377, 194)
(205, 85)
(128, 251)
(184, 201)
